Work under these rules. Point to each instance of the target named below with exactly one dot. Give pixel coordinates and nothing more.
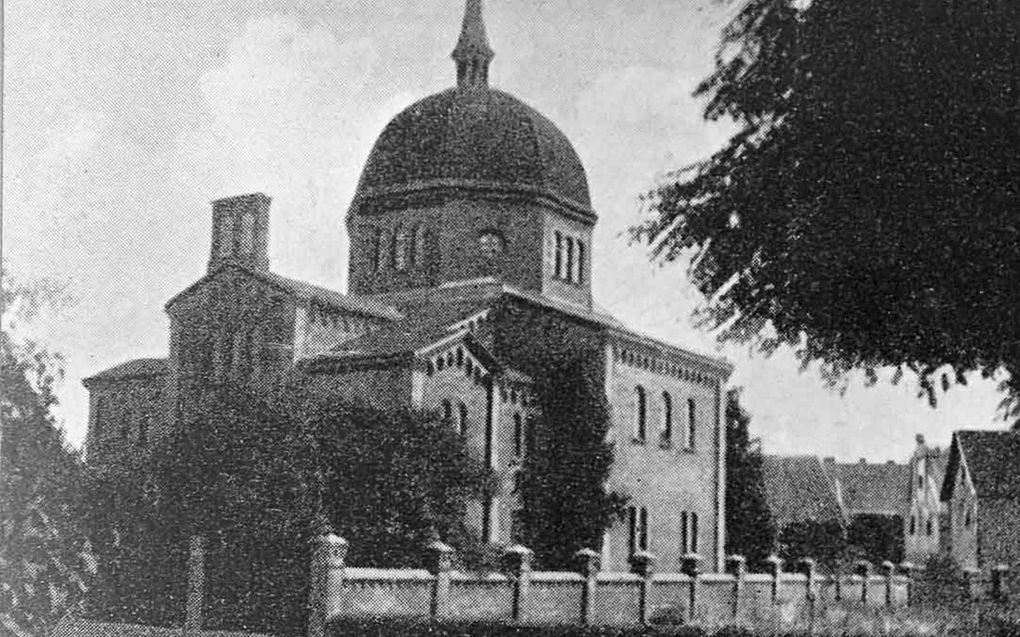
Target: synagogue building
(470, 260)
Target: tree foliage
(259, 473)
(45, 560)
(567, 462)
(866, 209)
(750, 530)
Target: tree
(866, 210)
(260, 471)
(45, 562)
(566, 506)
(749, 527)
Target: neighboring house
(470, 258)
(981, 497)
(923, 524)
(875, 498)
(806, 514)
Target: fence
(590, 596)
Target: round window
(491, 244)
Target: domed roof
(480, 139)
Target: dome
(475, 139)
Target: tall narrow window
(685, 546)
(462, 423)
(421, 245)
(518, 435)
(559, 256)
(667, 417)
(692, 414)
(643, 537)
(569, 270)
(143, 430)
(580, 262)
(641, 425)
(928, 526)
(247, 234)
(694, 532)
(382, 240)
(447, 407)
(400, 249)
(913, 524)
(632, 535)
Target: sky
(124, 119)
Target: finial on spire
(473, 53)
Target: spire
(473, 53)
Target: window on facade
(447, 408)
(685, 537)
(247, 234)
(967, 519)
(637, 537)
(694, 532)
(913, 524)
(667, 417)
(460, 357)
(643, 535)
(421, 245)
(226, 240)
(401, 244)
(518, 435)
(568, 273)
(97, 423)
(462, 423)
(579, 276)
(559, 256)
(929, 526)
(692, 423)
(382, 240)
(641, 426)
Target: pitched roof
(304, 291)
(419, 329)
(138, 368)
(797, 489)
(871, 488)
(993, 460)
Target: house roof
(871, 488)
(138, 368)
(302, 290)
(797, 489)
(993, 460)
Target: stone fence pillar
(863, 570)
(440, 563)
(889, 571)
(517, 560)
(588, 567)
(736, 565)
(1000, 584)
(642, 563)
(328, 555)
(690, 566)
(775, 567)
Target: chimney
(240, 232)
(829, 460)
(919, 438)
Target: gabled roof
(993, 460)
(871, 488)
(138, 368)
(797, 489)
(300, 290)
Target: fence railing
(589, 595)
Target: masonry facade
(470, 260)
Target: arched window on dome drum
(401, 247)
(580, 262)
(421, 242)
(559, 256)
(641, 424)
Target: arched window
(247, 237)
(421, 245)
(913, 524)
(667, 417)
(559, 256)
(401, 244)
(569, 270)
(462, 424)
(692, 425)
(447, 409)
(518, 435)
(641, 426)
(580, 262)
(382, 240)
(226, 238)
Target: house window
(401, 243)
(247, 234)
(579, 277)
(692, 424)
(667, 417)
(967, 518)
(929, 526)
(694, 532)
(569, 273)
(447, 408)
(226, 243)
(379, 255)
(559, 256)
(913, 524)
(421, 242)
(637, 538)
(688, 532)
(641, 426)
(643, 535)
(462, 423)
(518, 435)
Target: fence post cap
(736, 564)
(888, 567)
(862, 566)
(331, 539)
(438, 546)
(588, 562)
(735, 559)
(689, 563)
(642, 563)
(907, 567)
(586, 554)
(1000, 568)
(774, 559)
(517, 558)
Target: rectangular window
(518, 436)
(559, 256)
(580, 262)
(569, 273)
(692, 424)
(644, 529)
(694, 532)
(685, 547)
(632, 525)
